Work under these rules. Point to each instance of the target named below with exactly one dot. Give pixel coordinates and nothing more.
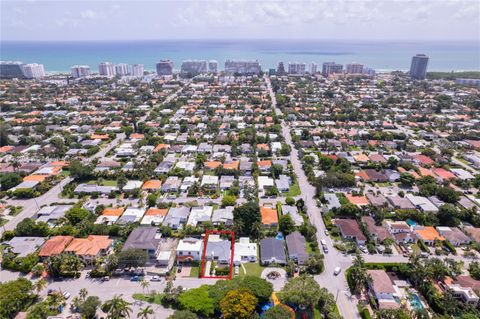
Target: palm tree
(145, 312)
(40, 284)
(144, 284)
(359, 275)
(116, 308)
(83, 293)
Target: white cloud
(88, 14)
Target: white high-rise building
(164, 67)
(354, 68)
(79, 71)
(33, 71)
(122, 69)
(213, 66)
(106, 69)
(137, 70)
(193, 67)
(313, 68)
(242, 67)
(296, 68)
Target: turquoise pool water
(415, 302)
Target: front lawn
(294, 190)
(195, 271)
(253, 269)
(156, 298)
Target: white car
(237, 270)
(155, 278)
(66, 295)
(337, 270)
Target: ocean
(380, 55)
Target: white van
(337, 270)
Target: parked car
(155, 278)
(326, 232)
(325, 249)
(363, 249)
(237, 270)
(66, 294)
(179, 269)
(337, 270)
(135, 278)
(105, 278)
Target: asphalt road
(337, 285)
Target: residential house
(189, 249)
(89, 248)
(144, 238)
(350, 229)
(176, 217)
(23, 246)
(297, 247)
(245, 251)
(269, 216)
(272, 251)
(54, 246)
(199, 215)
(454, 235)
(378, 232)
(428, 234)
(422, 203)
(293, 212)
(223, 216)
(154, 216)
(218, 249)
(382, 289)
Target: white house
(199, 215)
(245, 251)
(189, 249)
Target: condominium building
(313, 68)
(296, 68)
(34, 71)
(418, 68)
(213, 66)
(137, 70)
(11, 69)
(191, 68)
(368, 71)
(331, 68)
(106, 69)
(242, 67)
(164, 67)
(122, 69)
(281, 68)
(79, 71)
(354, 68)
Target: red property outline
(205, 241)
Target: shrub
(450, 247)
(365, 314)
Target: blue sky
(234, 19)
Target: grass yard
(253, 269)
(416, 249)
(156, 299)
(309, 249)
(195, 271)
(294, 190)
(106, 182)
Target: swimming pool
(415, 302)
(279, 236)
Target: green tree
(358, 274)
(183, 314)
(9, 180)
(314, 264)
(116, 308)
(89, 307)
(302, 291)
(28, 227)
(15, 296)
(238, 304)
(474, 270)
(392, 314)
(247, 220)
(279, 312)
(64, 265)
(407, 179)
(228, 200)
(40, 284)
(76, 215)
(132, 257)
(198, 301)
(286, 224)
(144, 313)
(448, 195)
(261, 288)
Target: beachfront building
(164, 67)
(106, 69)
(80, 71)
(418, 68)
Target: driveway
(277, 283)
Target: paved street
(337, 285)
